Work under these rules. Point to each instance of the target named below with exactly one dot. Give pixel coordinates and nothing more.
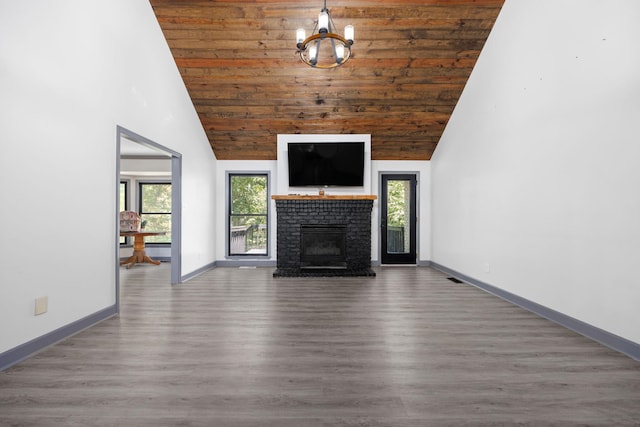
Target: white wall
(279, 186)
(71, 71)
(535, 181)
(145, 167)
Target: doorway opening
(132, 146)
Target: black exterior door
(398, 219)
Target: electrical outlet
(42, 305)
(487, 267)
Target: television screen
(326, 164)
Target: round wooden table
(139, 255)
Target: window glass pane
(155, 210)
(123, 196)
(248, 235)
(123, 204)
(158, 222)
(249, 194)
(156, 198)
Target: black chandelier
(336, 49)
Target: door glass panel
(398, 216)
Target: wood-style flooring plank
(237, 347)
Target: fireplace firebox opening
(323, 246)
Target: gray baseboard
(28, 349)
(420, 263)
(197, 272)
(594, 333)
(246, 263)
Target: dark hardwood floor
(237, 347)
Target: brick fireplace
(323, 236)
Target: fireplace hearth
(323, 236)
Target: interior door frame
(176, 205)
(415, 223)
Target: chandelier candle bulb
(340, 52)
(349, 33)
(301, 34)
(313, 53)
(323, 21)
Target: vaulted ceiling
(410, 62)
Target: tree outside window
(248, 208)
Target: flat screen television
(326, 164)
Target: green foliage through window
(397, 193)
(248, 206)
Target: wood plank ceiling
(410, 62)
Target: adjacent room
(320, 213)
